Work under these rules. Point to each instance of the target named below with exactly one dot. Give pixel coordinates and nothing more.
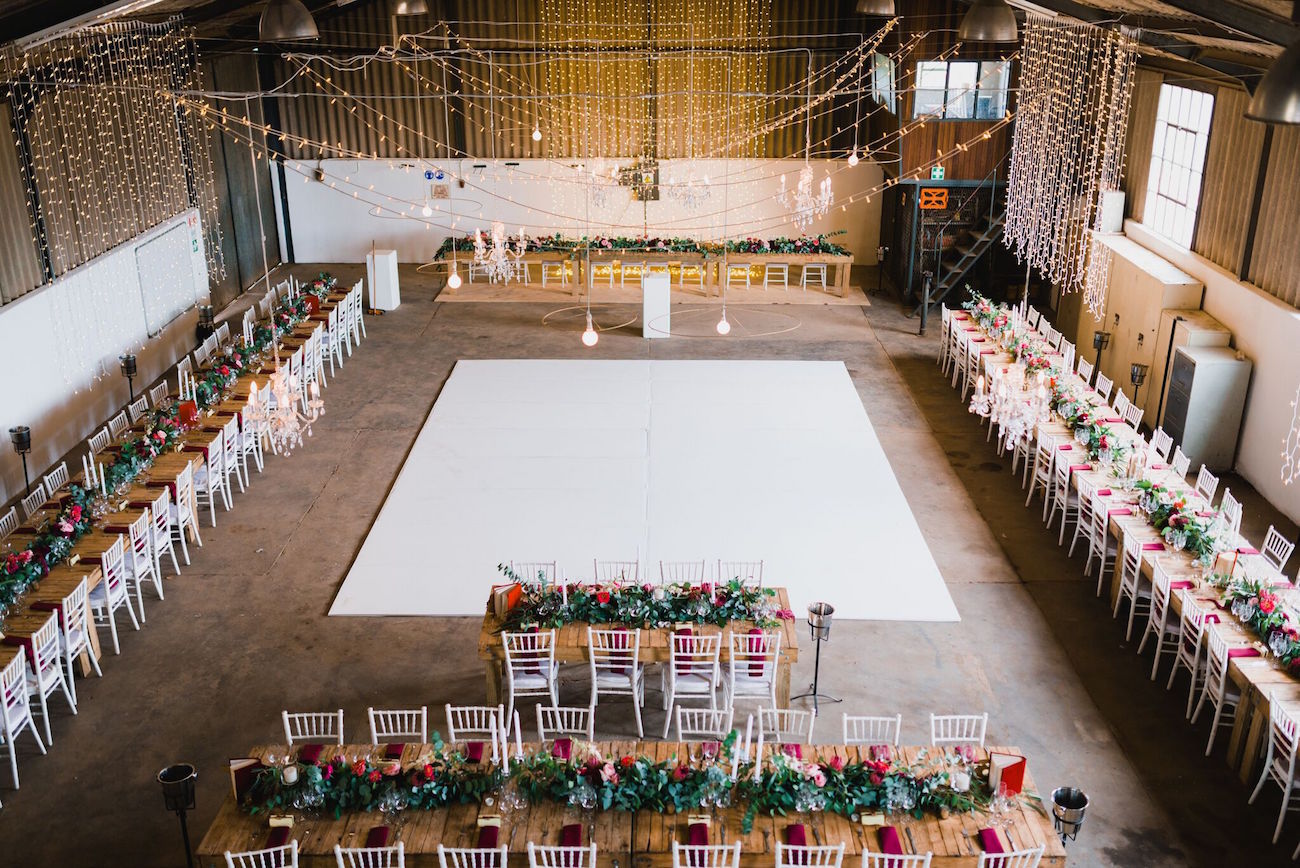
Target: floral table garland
(558, 243)
(20, 570)
(644, 605)
(1259, 608)
(939, 783)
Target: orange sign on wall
(934, 198)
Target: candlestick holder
(21, 437)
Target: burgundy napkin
(697, 834)
(310, 752)
(47, 606)
(487, 837)
(978, 340)
(533, 658)
(792, 749)
(474, 751)
(571, 835)
(881, 753)
(1153, 546)
(620, 646)
(1246, 651)
(755, 643)
(796, 835)
(987, 352)
(24, 642)
(278, 837)
(710, 748)
(394, 751)
(890, 843)
(562, 748)
(687, 647)
(377, 837)
(990, 841)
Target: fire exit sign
(936, 173)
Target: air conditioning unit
(1207, 394)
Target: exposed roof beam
(1242, 19)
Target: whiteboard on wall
(166, 277)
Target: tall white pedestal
(656, 302)
(381, 273)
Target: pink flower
(74, 512)
(679, 773)
(65, 525)
(608, 773)
(819, 777)
(602, 597)
(375, 776)
(837, 763)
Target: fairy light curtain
(108, 153)
(1068, 148)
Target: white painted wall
(329, 225)
(1267, 331)
(59, 345)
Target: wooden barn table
(633, 256)
(842, 263)
(643, 839)
(571, 647)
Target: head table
(571, 647)
(642, 839)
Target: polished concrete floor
(243, 633)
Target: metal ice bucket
(1068, 807)
(819, 620)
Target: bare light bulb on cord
(426, 210)
(590, 336)
(724, 327)
(537, 134)
(853, 158)
(453, 281)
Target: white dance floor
(673, 460)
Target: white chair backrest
(371, 857)
(160, 513)
(137, 408)
(1121, 402)
(1133, 415)
(9, 522)
(687, 572)
(1084, 368)
(703, 724)
(230, 441)
(142, 538)
(817, 856)
(185, 487)
(1161, 443)
(399, 723)
(112, 566)
(1277, 548)
(33, 501)
(616, 572)
(884, 860)
(455, 857)
(613, 652)
(222, 333)
(1180, 462)
(1281, 733)
(534, 572)
(15, 707)
(99, 440)
(158, 393)
(706, 855)
(57, 478)
(529, 654)
(1231, 509)
(75, 611)
(216, 458)
(1014, 859)
(566, 720)
(561, 857)
(470, 721)
(753, 655)
(694, 655)
(313, 726)
(785, 725)
(958, 729)
(1191, 627)
(872, 729)
(270, 857)
(118, 425)
(1216, 661)
(45, 648)
(750, 573)
(1103, 386)
(1206, 483)
(250, 320)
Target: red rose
(428, 772)
(375, 776)
(327, 771)
(225, 370)
(837, 763)
(679, 773)
(626, 761)
(359, 768)
(602, 597)
(75, 512)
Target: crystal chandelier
(500, 260)
(804, 206)
(283, 418)
(689, 192)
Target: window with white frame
(961, 89)
(882, 81)
(1177, 162)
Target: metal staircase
(958, 260)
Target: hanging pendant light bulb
(410, 7)
(988, 21)
(590, 336)
(724, 327)
(453, 281)
(537, 133)
(426, 210)
(876, 7)
(285, 20)
(853, 158)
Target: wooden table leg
(1254, 738)
(842, 278)
(493, 670)
(84, 657)
(783, 684)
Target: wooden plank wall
(1275, 259)
(1231, 166)
(1141, 130)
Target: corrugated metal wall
(1141, 133)
(1231, 165)
(20, 265)
(1275, 261)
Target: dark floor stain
(958, 456)
(993, 466)
(1148, 847)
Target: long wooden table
(1259, 679)
(643, 839)
(571, 647)
(842, 263)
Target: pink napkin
(890, 843)
(1104, 492)
(1153, 547)
(1119, 510)
(1205, 513)
(1157, 466)
(987, 352)
(1112, 419)
(792, 749)
(1066, 447)
(990, 841)
(1245, 651)
(1075, 468)
(562, 748)
(1246, 550)
(1180, 585)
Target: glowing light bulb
(724, 327)
(454, 280)
(853, 158)
(589, 337)
(537, 134)
(426, 210)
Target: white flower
(959, 781)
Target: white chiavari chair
(1064, 500)
(565, 721)
(962, 338)
(321, 727)
(554, 270)
(249, 437)
(158, 394)
(1067, 354)
(1100, 547)
(1083, 368)
(34, 501)
(1133, 416)
(137, 408)
(869, 729)
(1131, 582)
(180, 514)
(530, 667)
(562, 856)
(955, 348)
(752, 667)
(16, 708)
(222, 333)
(371, 857)
(387, 724)
(785, 725)
(9, 522)
(74, 632)
(111, 593)
(332, 340)
(1083, 527)
(1279, 761)
(1054, 338)
(703, 724)
(1103, 386)
(1191, 632)
(247, 324)
(185, 366)
(56, 478)
(358, 314)
(1180, 463)
(471, 857)
(886, 860)
(748, 573)
(971, 369)
(1159, 626)
(815, 856)
(682, 572)
(1217, 689)
(1022, 452)
(693, 669)
(1028, 858)
(478, 723)
(1044, 463)
(1121, 403)
(283, 856)
(45, 675)
(1277, 548)
(614, 661)
(187, 386)
(140, 561)
(202, 355)
(616, 572)
(534, 572)
(946, 729)
(210, 480)
(99, 440)
(1161, 443)
(232, 454)
(1206, 484)
(1231, 509)
(706, 855)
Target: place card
(873, 819)
(276, 821)
(702, 819)
(489, 820)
